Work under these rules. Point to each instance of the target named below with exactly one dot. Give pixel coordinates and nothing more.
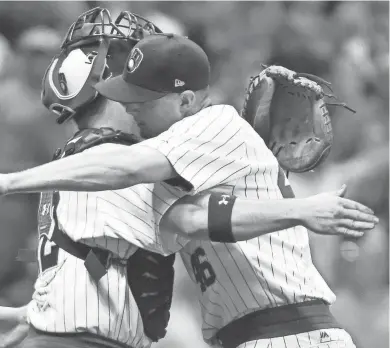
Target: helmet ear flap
(43, 82)
(55, 95)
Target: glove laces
(327, 84)
(321, 82)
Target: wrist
(299, 211)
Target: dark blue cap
(158, 65)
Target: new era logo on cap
(179, 83)
(134, 60)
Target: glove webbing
(321, 82)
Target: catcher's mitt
(289, 112)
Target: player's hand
(330, 213)
(18, 333)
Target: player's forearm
(98, 169)
(12, 314)
(92, 171)
(249, 218)
(253, 218)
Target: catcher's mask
(94, 48)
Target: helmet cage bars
(97, 23)
(92, 31)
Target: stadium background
(344, 42)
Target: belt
(277, 322)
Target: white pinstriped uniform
(329, 338)
(70, 300)
(216, 149)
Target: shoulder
(218, 110)
(210, 120)
(215, 114)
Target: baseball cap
(158, 65)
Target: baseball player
(107, 311)
(209, 147)
(74, 305)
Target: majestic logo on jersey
(324, 337)
(224, 200)
(134, 60)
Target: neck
(123, 125)
(203, 103)
(113, 116)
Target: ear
(188, 99)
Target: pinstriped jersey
(120, 221)
(218, 150)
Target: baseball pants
(325, 338)
(39, 339)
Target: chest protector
(150, 275)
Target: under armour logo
(179, 83)
(45, 209)
(324, 337)
(224, 200)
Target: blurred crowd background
(346, 43)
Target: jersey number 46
(203, 271)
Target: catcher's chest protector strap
(150, 275)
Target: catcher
(261, 292)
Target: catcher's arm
(104, 167)
(13, 314)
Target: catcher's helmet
(94, 48)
